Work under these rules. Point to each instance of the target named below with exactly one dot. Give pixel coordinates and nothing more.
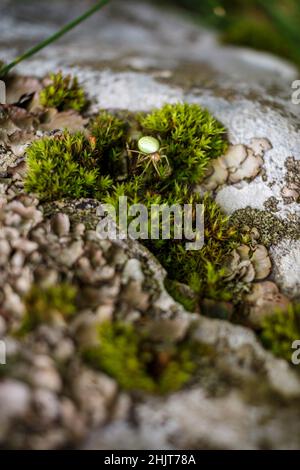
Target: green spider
(150, 153)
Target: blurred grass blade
(6, 68)
(284, 23)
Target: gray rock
(134, 56)
(286, 259)
(60, 224)
(140, 63)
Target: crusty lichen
(270, 228)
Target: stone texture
(135, 56)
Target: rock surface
(134, 56)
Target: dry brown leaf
(53, 120)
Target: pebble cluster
(49, 397)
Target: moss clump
(201, 270)
(128, 355)
(43, 305)
(109, 136)
(103, 166)
(63, 93)
(280, 330)
(77, 165)
(182, 294)
(190, 136)
(64, 166)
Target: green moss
(77, 165)
(63, 93)
(190, 136)
(201, 270)
(182, 294)
(44, 304)
(217, 309)
(108, 131)
(103, 166)
(280, 330)
(109, 136)
(64, 166)
(128, 355)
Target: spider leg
(156, 168)
(140, 161)
(143, 158)
(146, 167)
(166, 158)
(131, 152)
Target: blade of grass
(285, 24)
(6, 68)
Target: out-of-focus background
(133, 56)
(269, 25)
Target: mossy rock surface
(232, 376)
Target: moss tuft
(64, 166)
(103, 166)
(280, 330)
(63, 93)
(43, 305)
(190, 136)
(128, 355)
(182, 294)
(109, 136)
(201, 270)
